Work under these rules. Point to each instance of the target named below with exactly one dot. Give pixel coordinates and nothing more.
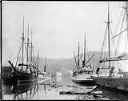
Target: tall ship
(110, 74)
(26, 68)
(82, 73)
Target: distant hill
(54, 65)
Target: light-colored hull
(83, 80)
(42, 79)
(113, 83)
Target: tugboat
(82, 74)
(24, 70)
(113, 79)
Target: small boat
(109, 73)
(43, 75)
(25, 69)
(45, 72)
(82, 74)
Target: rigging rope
(118, 43)
(112, 40)
(101, 52)
(103, 43)
(118, 23)
(87, 52)
(18, 55)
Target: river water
(60, 88)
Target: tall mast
(75, 59)
(23, 43)
(108, 24)
(126, 16)
(31, 47)
(27, 44)
(45, 65)
(84, 50)
(78, 56)
(38, 64)
(126, 12)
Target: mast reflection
(22, 91)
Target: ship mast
(23, 44)
(84, 50)
(126, 11)
(38, 64)
(127, 16)
(78, 56)
(108, 24)
(75, 59)
(45, 65)
(31, 47)
(27, 45)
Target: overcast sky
(57, 26)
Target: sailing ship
(24, 70)
(82, 74)
(44, 75)
(114, 78)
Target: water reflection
(21, 91)
(64, 89)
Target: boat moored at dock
(109, 73)
(82, 74)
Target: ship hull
(19, 77)
(113, 84)
(83, 81)
(7, 79)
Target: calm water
(55, 89)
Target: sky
(57, 26)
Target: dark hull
(24, 77)
(113, 84)
(7, 79)
(83, 82)
(18, 77)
